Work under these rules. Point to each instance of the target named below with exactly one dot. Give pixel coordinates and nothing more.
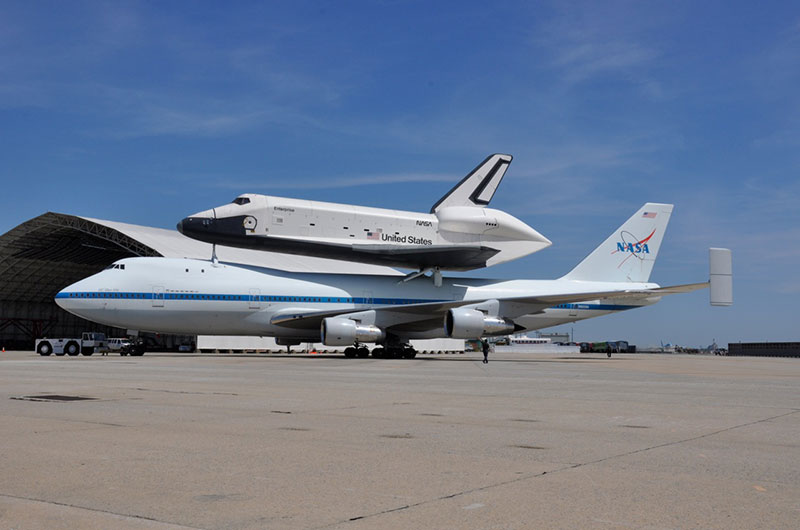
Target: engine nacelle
(464, 323)
(338, 331)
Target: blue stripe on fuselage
(218, 297)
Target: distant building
(764, 349)
(556, 337)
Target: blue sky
(146, 112)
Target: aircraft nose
(192, 226)
(61, 299)
(220, 230)
(69, 298)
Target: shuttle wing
(451, 257)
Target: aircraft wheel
(72, 348)
(350, 352)
(378, 353)
(609, 355)
(362, 352)
(409, 354)
(45, 348)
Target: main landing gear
(360, 351)
(395, 351)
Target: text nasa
(634, 248)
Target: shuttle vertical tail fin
(629, 253)
(477, 188)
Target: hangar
(41, 256)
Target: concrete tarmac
(442, 441)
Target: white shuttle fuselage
(459, 233)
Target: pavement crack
(108, 512)
(185, 392)
(693, 438)
(441, 498)
(551, 472)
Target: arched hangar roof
(41, 256)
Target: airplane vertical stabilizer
(477, 188)
(629, 253)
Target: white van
(117, 344)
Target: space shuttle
(459, 233)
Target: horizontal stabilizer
(720, 265)
(477, 188)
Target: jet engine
(338, 331)
(464, 323)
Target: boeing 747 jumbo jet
(190, 296)
(459, 233)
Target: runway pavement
(441, 441)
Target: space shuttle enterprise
(459, 232)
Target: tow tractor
(89, 343)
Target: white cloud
(582, 60)
(588, 41)
(294, 183)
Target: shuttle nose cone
(191, 226)
(220, 230)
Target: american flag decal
(649, 215)
(375, 235)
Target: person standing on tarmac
(485, 344)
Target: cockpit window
(241, 200)
(116, 266)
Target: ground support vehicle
(117, 344)
(133, 347)
(89, 343)
(608, 347)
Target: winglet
(477, 188)
(720, 276)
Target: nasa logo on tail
(632, 245)
(629, 243)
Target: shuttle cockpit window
(241, 201)
(116, 266)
